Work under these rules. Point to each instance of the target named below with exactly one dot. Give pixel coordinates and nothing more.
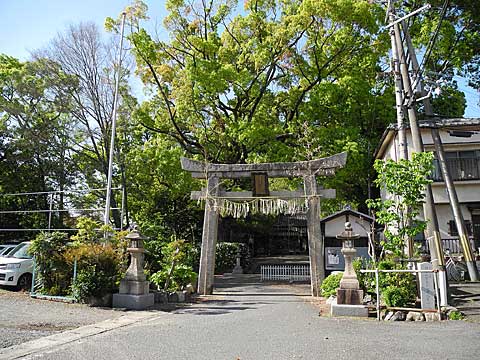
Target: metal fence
(37, 285)
(453, 245)
(460, 169)
(57, 203)
(377, 286)
(285, 272)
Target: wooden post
(315, 241)
(206, 274)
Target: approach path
(247, 320)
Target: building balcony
(460, 169)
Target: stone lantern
(134, 289)
(349, 291)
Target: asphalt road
(249, 321)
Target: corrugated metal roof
(430, 123)
(441, 123)
(347, 212)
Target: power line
(57, 192)
(419, 71)
(432, 41)
(54, 210)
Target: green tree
(403, 183)
(159, 196)
(455, 51)
(35, 102)
(240, 85)
(83, 54)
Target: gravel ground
(23, 318)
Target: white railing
(285, 272)
(377, 286)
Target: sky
(28, 25)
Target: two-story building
(461, 140)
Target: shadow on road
(466, 297)
(243, 292)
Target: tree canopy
(452, 53)
(225, 81)
(35, 102)
(272, 81)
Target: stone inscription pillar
(206, 274)
(315, 240)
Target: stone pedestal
(349, 292)
(134, 287)
(134, 292)
(133, 302)
(349, 296)
(348, 310)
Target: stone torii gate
(308, 170)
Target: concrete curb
(65, 337)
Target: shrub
(396, 296)
(87, 230)
(100, 269)
(180, 255)
(455, 315)
(331, 284)
(100, 266)
(396, 289)
(226, 257)
(153, 254)
(181, 276)
(52, 271)
(365, 280)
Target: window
(462, 165)
(453, 231)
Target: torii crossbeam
(308, 170)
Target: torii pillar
(306, 169)
(314, 233)
(206, 273)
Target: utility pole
(106, 217)
(451, 191)
(432, 231)
(395, 65)
(457, 213)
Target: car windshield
(8, 250)
(4, 250)
(21, 252)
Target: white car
(16, 269)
